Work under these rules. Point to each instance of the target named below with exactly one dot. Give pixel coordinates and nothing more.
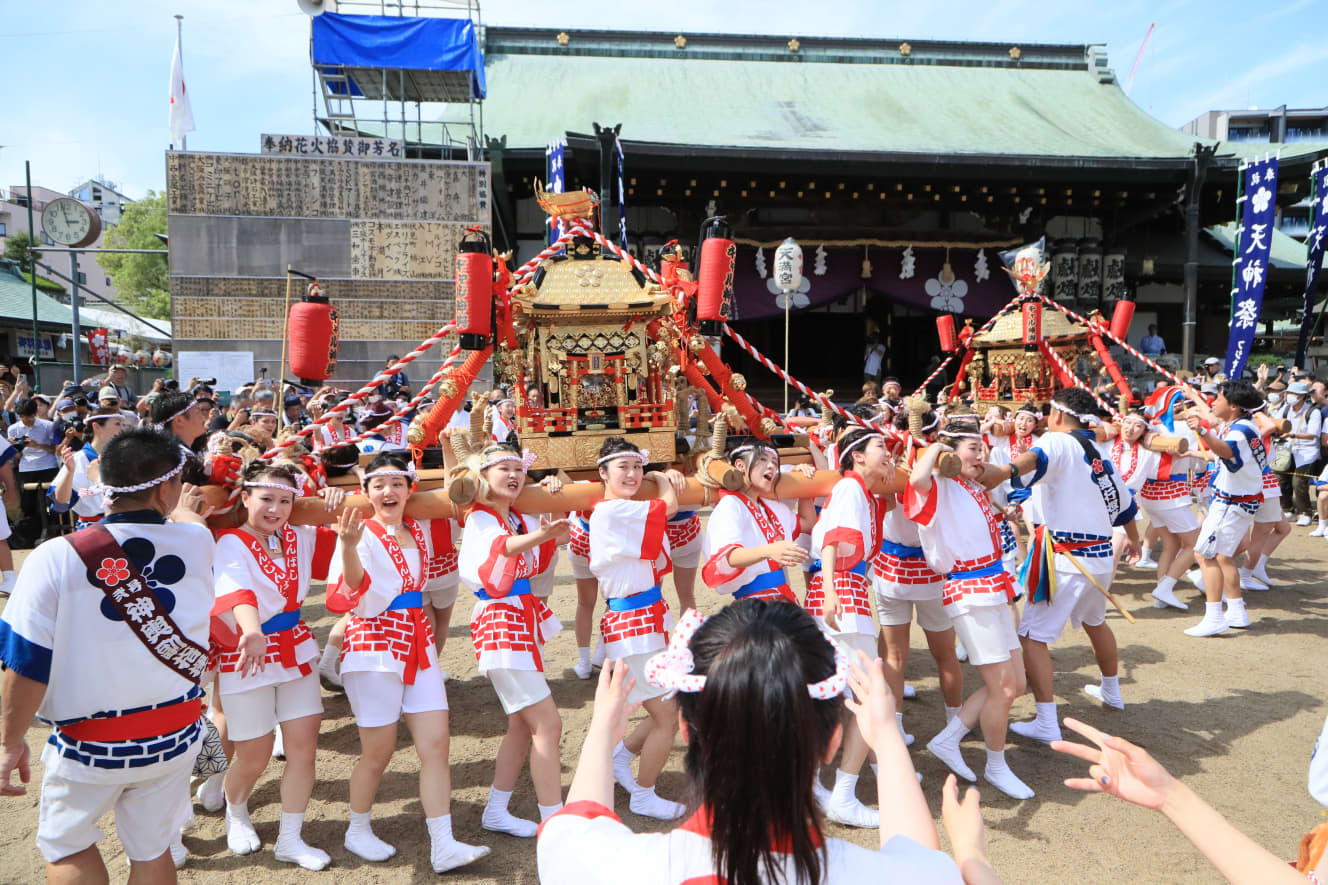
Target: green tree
(18, 248)
(142, 282)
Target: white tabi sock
(1111, 684)
(999, 775)
(846, 785)
(1046, 715)
(548, 811)
(950, 714)
(241, 837)
(499, 819)
(291, 847)
(445, 852)
(875, 769)
(583, 656)
(1166, 582)
(361, 841)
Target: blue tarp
(413, 44)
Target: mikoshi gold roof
(591, 283)
(1009, 329)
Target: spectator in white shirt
(38, 463)
(1306, 426)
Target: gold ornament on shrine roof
(1015, 52)
(563, 38)
(794, 45)
(680, 41)
(905, 50)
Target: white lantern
(161, 359)
(142, 358)
(788, 265)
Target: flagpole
(179, 39)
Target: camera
(205, 382)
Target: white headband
(259, 413)
(409, 473)
(279, 486)
(961, 434)
(1089, 420)
(672, 668)
(936, 419)
(112, 492)
(1029, 412)
(643, 454)
(527, 458)
(102, 417)
(1142, 420)
(840, 453)
(166, 423)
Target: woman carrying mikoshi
(752, 536)
(628, 556)
(502, 551)
(388, 661)
(262, 572)
(960, 535)
(761, 693)
(846, 535)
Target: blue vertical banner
(622, 197)
(1315, 243)
(1254, 245)
(553, 157)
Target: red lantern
(1032, 322)
(1121, 318)
(474, 290)
(945, 328)
(714, 294)
(314, 337)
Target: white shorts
(643, 690)
(688, 555)
(378, 698)
(518, 689)
(4, 525)
(1177, 520)
(987, 632)
(254, 713)
(148, 814)
(898, 612)
(1076, 600)
(441, 592)
(580, 566)
(1223, 529)
(1269, 511)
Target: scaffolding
(435, 110)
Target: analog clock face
(70, 223)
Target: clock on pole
(70, 223)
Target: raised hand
(350, 526)
(872, 703)
(1117, 768)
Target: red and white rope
(1103, 329)
(414, 401)
(1078, 382)
(985, 326)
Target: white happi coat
(960, 535)
(629, 554)
(508, 631)
(733, 526)
(60, 630)
(241, 579)
(587, 844)
(851, 517)
(379, 638)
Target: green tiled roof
(16, 302)
(1286, 252)
(838, 96)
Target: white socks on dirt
(1108, 692)
(291, 847)
(908, 738)
(1260, 570)
(7, 581)
(327, 664)
(445, 852)
(646, 803)
(1236, 616)
(241, 838)
(950, 714)
(500, 820)
(361, 841)
(582, 668)
(622, 767)
(548, 811)
(210, 793)
(1164, 594)
(998, 774)
(844, 806)
(1213, 623)
(945, 747)
(1046, 727)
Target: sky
(85, 82)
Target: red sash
(419, 642)
(287, 581)
(1118, 455)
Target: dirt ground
(1236, 717)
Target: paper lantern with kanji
(161, 359)
(314, 337)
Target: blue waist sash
(859, 569)
(985, 572)
(1175, 477)
(520, 587)
(682, 516)
(585, 523)
(900, 551)
(644, 599)
(768, 581)
(413, 599)
(281, 621)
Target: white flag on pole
(181, 116)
